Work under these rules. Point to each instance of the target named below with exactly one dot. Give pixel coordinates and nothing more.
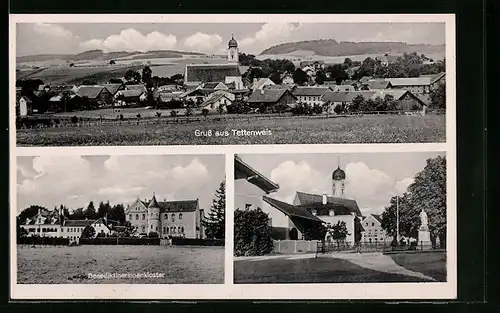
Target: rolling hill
(330, 47)
(97, 55)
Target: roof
(61, 88)
(308, 198)
(437, 77)
(28, 100)
(244, 171)
(131, 93)
(178, 206)
(378, 83)
(136, 87)
(266, 95)
(261, 82)
(214, 99)
(345, 96)
(410, 81)
(90, 92)
(396, 93)
(365, 79)
(378, 217)
(59, 97)
(78, 223)
(343, 88)
(281, 86)
(167, 96)
(210, 72)
(291, 210)
(112, 88)
(310, 91)
(196, 92)
(211, 85)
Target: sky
(371, 178)
(76, 180)
(70, 38)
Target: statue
(423, 219)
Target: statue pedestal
(424, 239)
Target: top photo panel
(231, 80)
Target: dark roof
(153, 203)
(233, 43)
(245, 171)
(178, 206)
(291, 210)
(267, 95)
(210, 72)
(378, 217)
(324, 209)
(167, 96)
(28, 100)
(61, 88)
(90, 92)
(112, 88)
(131, 93)
(136, 87)
(338, 174)
(437, 77)
(77, 223)
(310, 91)
(308, 198)
(196, 92)
(345, 96)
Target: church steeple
(338, 181)
(233, 52)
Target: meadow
(72, 265)
(288, 130)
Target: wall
(294, 246)
(373, 230)
(188, 221)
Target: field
(430, 264)
(331, 270)
(72, 265)
(289, 130)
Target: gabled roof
(365, 79)
(59, 97)
(291, 210)
(244, 171)
(267, 95)
(343, 88)
(210, 72)
(214, 99)
(112, 88)
(212, 85)
(28, 100)
(61, 88)
(77, 223)
(167, 96)
(410, 81)
(437, 77)
(378, 217)
(309, 198)
(90, 92)
(343, 96)
(379, 84)
(396, 93)
(136, 87)
(261, 82)
(310, 91)
(131, 93)
(178, 206)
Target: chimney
(325, 199)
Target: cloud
(402, 185)
(52, 30)
(202, 42)
(131, 40)
(268, 35)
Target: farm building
(213, 103)
(261, 83)
(114, 88)
(310, 95)
(196, 74)
(290, 87)
(164, 97)
(60, 103)
(418, 85)
(196, 95)
(97, 95)
(344, 88)
(272, 100)
(211, 86)
(133, 96)
(378, 84)
(140, 87)
(287, 79)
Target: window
(151, 214)
(173, 217)
(151, 227)
(164, 229)
(180, 216)
(366, 224)
(373, 224)
(130, 216)
(173, 229)
(143, 216)
(166, 216)
(137, 216)
(143, 228)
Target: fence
(384, 247)
(43, 241)
(197, 242)
(294, 246)
(120, 241)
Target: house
(287, 79)
(378, 84)
(114, 88)
(140, 87)
(55, 89)
(374, 233)
(167, 88)
(261, 83)
(290, 87)
(310, 95)
(59, 103)
(169, 96)
(344, 88)
(25, 106)
(196, 95)
(418, 85)
(196, 74)
(133, 96)
(97, 95)
(309, 71)
(309, 211)
(272, 100)
(212, 86)
(213, 103)
(166, 218)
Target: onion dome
(338, 174)
(233, 43)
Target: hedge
(49, 241)
(197, 242)
(119, 241)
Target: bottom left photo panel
(120, 219)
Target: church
(228, 73)
(310, 210)
(167, 218)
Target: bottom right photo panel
(340, 218)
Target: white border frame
(228, 290)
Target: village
(382, 85)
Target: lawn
(432, 264)
(291, 130)
(72, 265)
(312, 270)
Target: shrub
(252, 233)
(153, 234)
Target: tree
(112, 62)
(276, 78)
(220, 108)
(103, 209)
(205, 112)
(300, 77)
(115, 81)
(153, 234)
(117, 213)
(132, 76)
(147, 74)
(252, 233)
(29, 212)
(215, 223)
(90, 212)
(390, 103)
(337, 73)
(347, 63)
(337, 232)
(438, 97)
(189, 111)
(89, 82)
(88, 232)
(357, 104)
(320, 77)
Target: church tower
(154, 216)
(233, 53)
(338, 183)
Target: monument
(424, 236)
